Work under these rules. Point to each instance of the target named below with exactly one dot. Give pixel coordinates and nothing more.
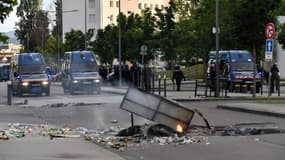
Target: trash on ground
(157, 109)
(120, 139)
(52, 136)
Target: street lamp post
(120, 45)
(217, 50)
(85, 25)
(60, 29)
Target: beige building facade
(97, 14)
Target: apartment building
(96, 14)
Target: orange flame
(179, 128)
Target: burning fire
(179, 128)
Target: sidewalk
(277, 110)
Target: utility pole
(120, 45)
(217, 50)
(85, 27)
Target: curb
(227, 99)
(254, 111)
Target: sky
(9, 22)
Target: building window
(145, 6)
(151, 6)
(91, 3)
(91, 20)
(111, 4)
(117, 4)
(156, 6)
(140, 6)
(111, 18)
(162, 6)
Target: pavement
(271, 107)
(101, 153)
(254, 106)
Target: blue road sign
(268, 50)
(269, 45)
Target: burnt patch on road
(59, 105)
(244, 129)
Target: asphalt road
(100, 116)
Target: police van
(28, 74)
(80, 72)
(236, 68)
(4, 71)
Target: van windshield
(31, 59)
(83, 62)
(241, 57)
(32, 69)
(242, 66)
(83, 58)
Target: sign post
(269, 34)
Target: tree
(250, 18)
(40, 33)
(281, 35)
(27, 11)
(6, 6)
(165, 37)
(74, 40)
(103, 46)
(148, 28)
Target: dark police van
(80, 72)
(236, 68)
(28, 74)
(4, 71)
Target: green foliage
(105, 45)
(28, 12)
(190, 36)
(51, 45)
(166, 36)
(74, 40)
(3, 38)
(191, 73)
(281, 35)
(6, 6)
(270, 102)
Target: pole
(217, 49)
(254, 72)
(120, 49)
(9, 92)
(85, 26)
(58, 44)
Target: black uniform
(177, 76)
(275, 80)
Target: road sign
(269, 45)
(269, 50)
(269, 31)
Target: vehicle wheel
(48, 93)
(71, 91)
(257, 89)
(20, 93)
(98, 90)
(65, 91)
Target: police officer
(177, 76)
(275, 79)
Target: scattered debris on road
(120, 139)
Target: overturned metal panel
(157, 109)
